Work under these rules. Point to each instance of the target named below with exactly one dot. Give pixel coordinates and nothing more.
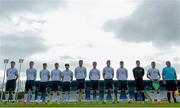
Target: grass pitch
(91, 104)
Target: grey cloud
(32, 6)
(21, 44)
(156, 21)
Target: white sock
(6, 97)
(128, 97)
(14, 96)
(105, 96)
(25, 97)
(33, 97)
(118, 96)
(68, 95)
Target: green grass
(91, 104)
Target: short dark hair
(121, 62)
(56, 64)
(13, 62)
(66, 64)
(44, 64)
(31, 62)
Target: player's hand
(176, 82)
(164, 82)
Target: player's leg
(111, 85)
(125, 87)
(59, 93)
(12, 89)
(32, 99)
(97, 91)
(68, 91)
(168, 88)
(26, 91)
(105, 89)
(7, 91)
(92, 90)
(63, 92)
(119, 88)
(82, 90)
(174, 88)
(78, 90)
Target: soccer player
(122, 76)
(94, 76)
(67, 77)
(12, 76)
(44, 78)
(80, 75)
(108, 75)
(170, 80)
(138, 73)
(31, 74)
(154, 75)
(55, 82)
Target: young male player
(108, 75)
(138, 73)
(31, 74)
(55, 82)
(154, 75)
(12, 76)
(80, 75)
(67, 77)
(94, 76)
(122, 76)
(44, 78)
(170, 80)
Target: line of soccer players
(66, 77)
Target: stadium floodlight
(6, 61)
(18, 84)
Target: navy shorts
(108, 83)
(94, 85)
(11, 85)
(80, 84)
(66, 86)
(171, 85)
(55, 85)
(122, 85)
(43, 86)
(29, 85)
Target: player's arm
(48, 75)
(16, 74)
(90, 75)
(71, 76)
(117, 74)
(126, 74)
(35, 74)
(175, 76)
(99, 74)
(85, 73)
(103, 73)
(149, 76)
(112, 73)
(134, 74)
(75, 73)
(163, 76)
(159, 78)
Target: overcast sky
(65, 31)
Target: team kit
(56, 76)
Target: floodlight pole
(6, 61)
